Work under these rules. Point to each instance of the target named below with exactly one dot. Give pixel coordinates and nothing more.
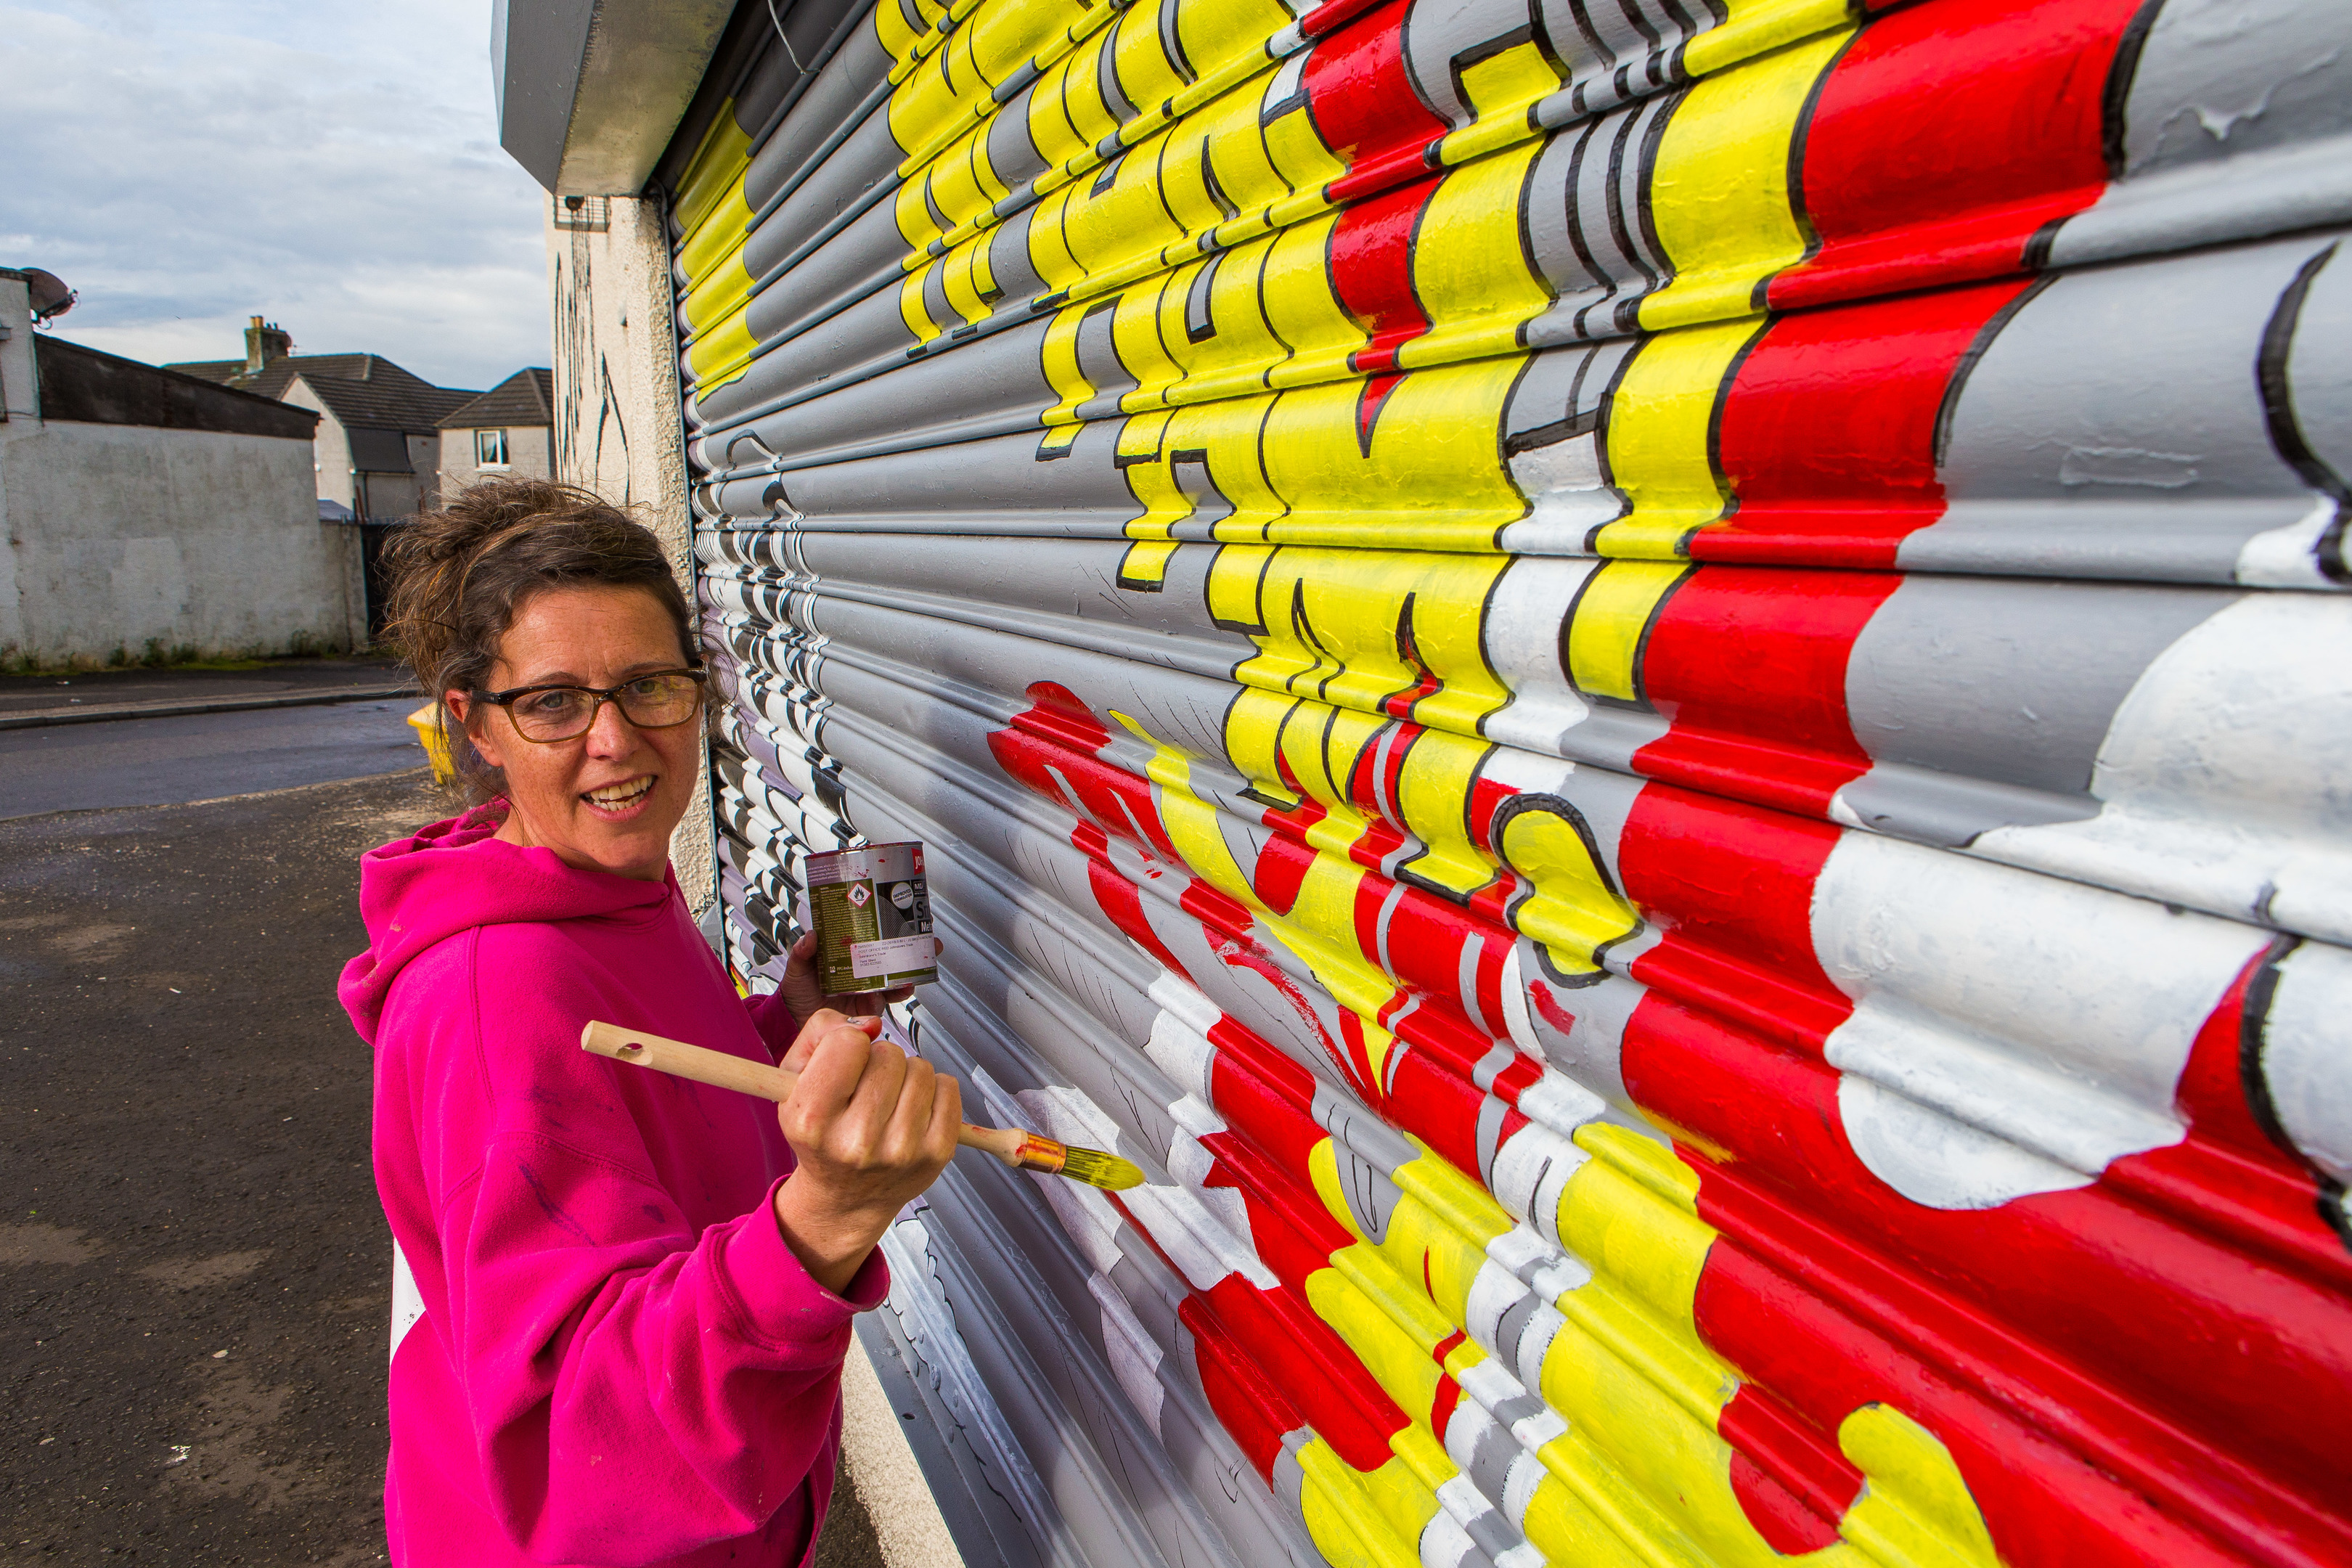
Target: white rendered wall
(121, 536)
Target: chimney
(264, 342)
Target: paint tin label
(872, 912)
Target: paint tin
(872, 914)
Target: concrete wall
(617, 418)
(124, 539)
(531, 452)
(124, 536)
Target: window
(489, 448)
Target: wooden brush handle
(721, 1071)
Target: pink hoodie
(619, 1361)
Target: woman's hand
(872, 1128)
(805, 997)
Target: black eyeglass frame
(506, 699)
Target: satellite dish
(50, 295)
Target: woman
(637, 1291)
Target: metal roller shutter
(1650, 694)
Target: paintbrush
(1023, 1150)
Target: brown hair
(460, 573)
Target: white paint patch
(1543, 1326)
(2224, 774)
(1180, 1050)
(1068, 1115)
(2307, 1056)
(1087, 1217)
(1519, 1021)
(1134, 1355)
(1493, 1292)
(2012, 1033)
(1445, 1544)
(1490, 1384)
(1460, 1497)
(1544, 1426)
(1465, 1429)
(1531, 1172)
(1562, 483)
(1560, 1103)
(1189, 1160)
(2288, 557)
(1521, 641)
(1938, 1163)
(407, 1302)
(1527, 1474)
(1521, 1251)
(1204, 1243)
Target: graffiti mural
(1651, 696)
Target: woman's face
(606, 800)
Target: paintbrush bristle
(1097, 1169)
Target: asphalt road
(163, 762)
(185, 1133)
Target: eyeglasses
(547, 714)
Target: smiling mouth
(622, 796)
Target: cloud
(186, 164)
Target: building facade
(150, 514)
(508, 432)
(379, 436)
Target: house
(508, 430)
(150, 513)
(379, 441)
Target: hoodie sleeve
(633, 1391)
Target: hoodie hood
(455, 876)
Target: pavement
(195, 1272)
(56, 696)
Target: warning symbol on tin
(858, 893)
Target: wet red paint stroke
(1947, 137)
(1827, 433)
(1370, 261)
(1751, 664)
(1737, 881)
(1051, 747)
(1363, 104)
(1793, 1483)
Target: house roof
(358, 389)
(526, 398)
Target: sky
(332, 165)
